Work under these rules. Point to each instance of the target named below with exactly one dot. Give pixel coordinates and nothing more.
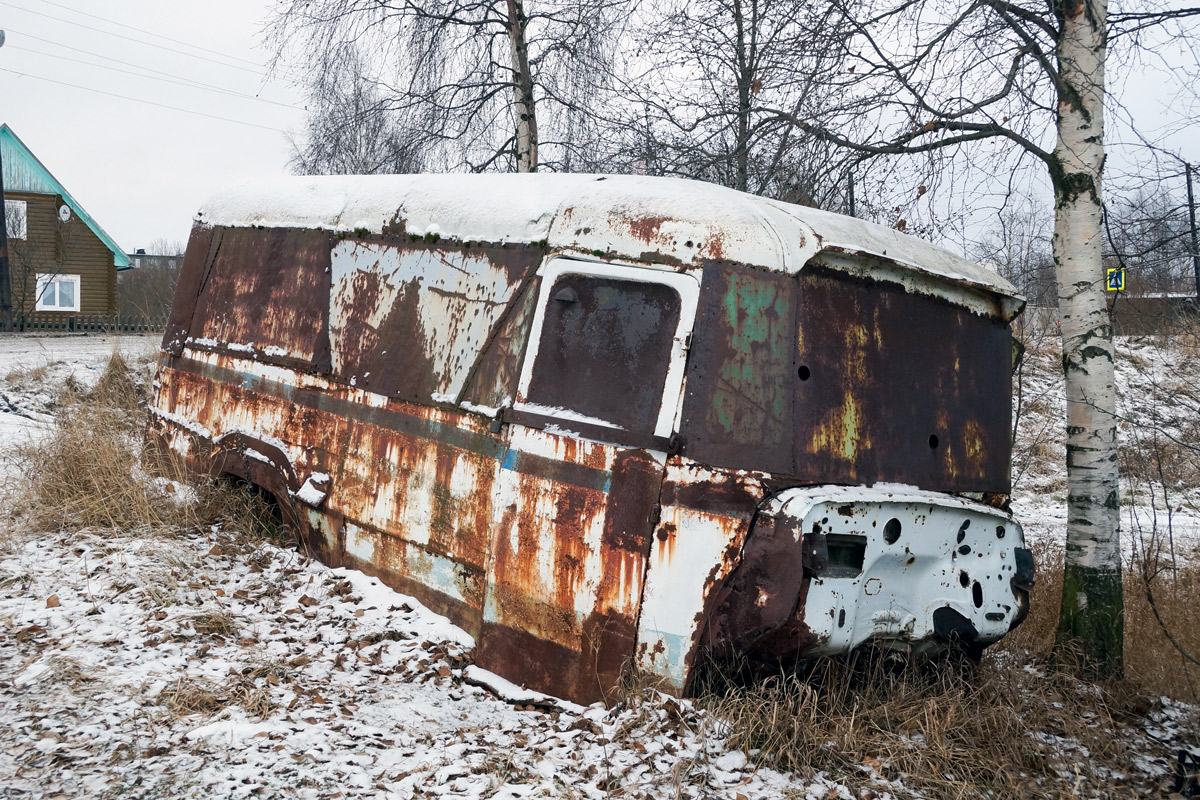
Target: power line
(185, 82)
(101, 55)
(152, 33)
(140, 100)
(259, 71)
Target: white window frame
(45, 281)
(688, 288)
(13, 216)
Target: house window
(16, 219)
(57, 293)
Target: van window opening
(605, 348)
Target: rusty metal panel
(537, 544)
(706, 515)
(410, 319)
(498, 371)
(738, 408)
(901, 387)
(569, 555)
(200, 251)
(265, 294)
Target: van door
(575, 501)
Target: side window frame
(687, 286)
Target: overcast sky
(143, 170)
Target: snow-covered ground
(34, 369)
(204, 665)
(197, 667)
(1158, 389)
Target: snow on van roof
(671, 220)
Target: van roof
(668, 220)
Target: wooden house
(63, 265)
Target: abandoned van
(609, 423)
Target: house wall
(54, 247)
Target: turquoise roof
(24, 173)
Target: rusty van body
(609, 423)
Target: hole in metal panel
(962, 530)
(999, 531)
(977, 595)
(891, 531)
(804, 373)
(933, 441)
(842, 618)
(846, 554)
(964, 579)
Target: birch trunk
(527, 138)
(1091, 623)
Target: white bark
(1093, 556)
(527, 142)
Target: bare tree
(705, 81)
(1149, 234)
(493, 84)
(1018, 245)
(1021, 71)
(146, 291)
(350, 130)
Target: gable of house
(24, 173)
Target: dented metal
(630, 458)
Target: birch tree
(1023, 72)
(487, 79)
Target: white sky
(141, 170)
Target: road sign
(1115, 280)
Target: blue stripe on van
(485, 444)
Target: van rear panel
(824, 377)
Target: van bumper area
(827, 569)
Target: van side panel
(202, 246)
(738, 406)
(533, 541)
(262, 293)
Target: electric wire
(184, 82)
(152, 33)
(140, 100)
(259, 71)
(101, 55)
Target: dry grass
(1000, 729)
(250, 690)
(1153, 665)
(87, 472)
(93, 472)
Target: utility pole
(1192, 216)
(6, 313)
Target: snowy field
(34, 369)
(203, 665)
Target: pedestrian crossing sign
(1116, 280)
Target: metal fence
(88, 323)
